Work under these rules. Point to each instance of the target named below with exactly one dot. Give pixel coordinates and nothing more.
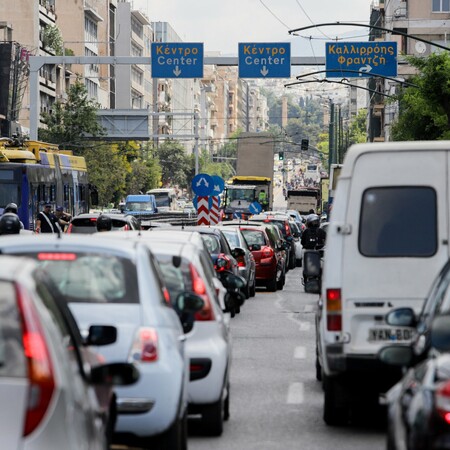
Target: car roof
(66, 242)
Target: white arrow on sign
(264, 71)
(202, 180)
(365, 68)
(177, 71)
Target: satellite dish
(420, 47)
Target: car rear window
(212, 243)
(398, 222)
(91, 277)
(232, 238)
(254, 237)
(12, 360)
(88, 225)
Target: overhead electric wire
(273, 14)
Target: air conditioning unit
(401, 10)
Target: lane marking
(295, 394)
(300, 353)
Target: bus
(166, 199)
(312, 172)
(36, 173)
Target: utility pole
(331, 137)
(196, 119)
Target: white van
(386, 241)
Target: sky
(222, 24)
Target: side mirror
(254, 247)
(188, 302)
(238, 251)
(117, 374)
(232, 281)
(101, 335)
(397, 355)
(440, 333)
(401, 317)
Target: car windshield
(139, 206)
(91, 278)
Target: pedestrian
(63, 217)
(46, 221)
(104, 223)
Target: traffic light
(280, 156)
(305, 144)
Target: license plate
(390, 334)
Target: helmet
(104, 223)
(11, 207)
(312, 221)
(10, 223)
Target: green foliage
(206, 165)
(52, 39)
(70, 123)
(425, 110)
(357, 130)
(176, 166)
(107, 169)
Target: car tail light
(334, 310)
(442, 400)
(126, 228)
(288, 230)
(56, 256)
(223, 262)
(69, 228)
(145, 345)
(241, 261)
(40, 368)
(267, 252)
(199, 288)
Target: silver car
(46, 385)
(117, 283)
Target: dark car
(246, 262)
(419, 405)
(87, 223)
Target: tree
(71, 123)
(357, 131)
(176, 165)
(424, 111)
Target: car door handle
(182, 338)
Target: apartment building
(428, 20)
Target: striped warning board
(203, 210)
(214, 216)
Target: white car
(187, 266)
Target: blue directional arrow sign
(265, 60)
(363, 59)
(177, 60)
(202, 184)
(255, 208)
(219, 185)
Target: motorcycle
(234, 297)
(312, 270)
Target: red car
(268, 256)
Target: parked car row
(144, 339)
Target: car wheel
(212, 418)
(272, 285)
(246, 290)
(280, 282)
(298, 262)
(226, 404)
(335, 411)
(318, 370)
(253, 289)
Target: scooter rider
(313, 238)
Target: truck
(303, 199)
(254, 172)
(141, 206)
(241, 191)
(166, 199)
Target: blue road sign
(363, 59)
(219, 185)
(255, 208)
(177, 60)
(265, 60)
(202, 184)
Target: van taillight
(145, 345)
(334, 310)
(199, 288)
(40, 368)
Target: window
(398, 222)
(441, 6)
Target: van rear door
(398, 213)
